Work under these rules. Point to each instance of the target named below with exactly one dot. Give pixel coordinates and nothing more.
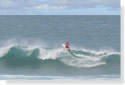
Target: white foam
(98, 52)
(88, 60)
(49, 54)
(79, 62)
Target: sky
(59, 7)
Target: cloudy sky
(59, 7)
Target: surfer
(67, 46)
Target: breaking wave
(21, 56)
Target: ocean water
(31, 47)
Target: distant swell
(37, 57)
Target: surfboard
(63, 45)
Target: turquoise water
(31, 47)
